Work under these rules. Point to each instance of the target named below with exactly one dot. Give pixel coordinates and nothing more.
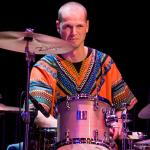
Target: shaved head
(71, 7)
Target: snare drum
(133, 137)
(81, 124)
(142, 145)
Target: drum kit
(84, 121)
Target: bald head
(71, 7)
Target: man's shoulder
(102, 55)
(48, 58)
(98, 51)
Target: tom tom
(81, 124)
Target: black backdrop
(118, 29)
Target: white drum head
(82, 147)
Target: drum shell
(81, 119)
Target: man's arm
(43, 122)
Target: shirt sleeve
(43, 84)
(121, 93)
(116, 89)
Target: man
(82, 71)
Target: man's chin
(75, 45)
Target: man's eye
(80, 26)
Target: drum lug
(112, 144)
(110, 117)
(96, 105)
(67, 103)
(67, 136)
(106, 137)
(96, 135)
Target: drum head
(83, 147)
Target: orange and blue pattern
(53, 78)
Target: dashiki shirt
(53, 78)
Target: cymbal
(5, 108)
(38, 43)
(136, 135)
(145, 112)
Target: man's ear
(87, 29)
(57, 26)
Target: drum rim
(82, 141)
(82, 97)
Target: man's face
(73, 27)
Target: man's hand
(43, 122)
(116, 130)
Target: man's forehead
(72, 11)
(73, 23)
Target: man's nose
(74, 30)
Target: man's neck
(76, 55)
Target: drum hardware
(29, 58)
(111, 120)
(67, 104)
(96, 135)
(110, 117)
(112, 143)
(106, 136)
(67, 136)
(96, 105)
(124, 125)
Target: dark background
(118, 29)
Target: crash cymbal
(5, 108)
(38, 43)
(136, 135)
(145, 112)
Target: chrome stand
(29, 58)
(124, 128)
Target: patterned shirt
(53, 78)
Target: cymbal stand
(29, 58)
(124, 126)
